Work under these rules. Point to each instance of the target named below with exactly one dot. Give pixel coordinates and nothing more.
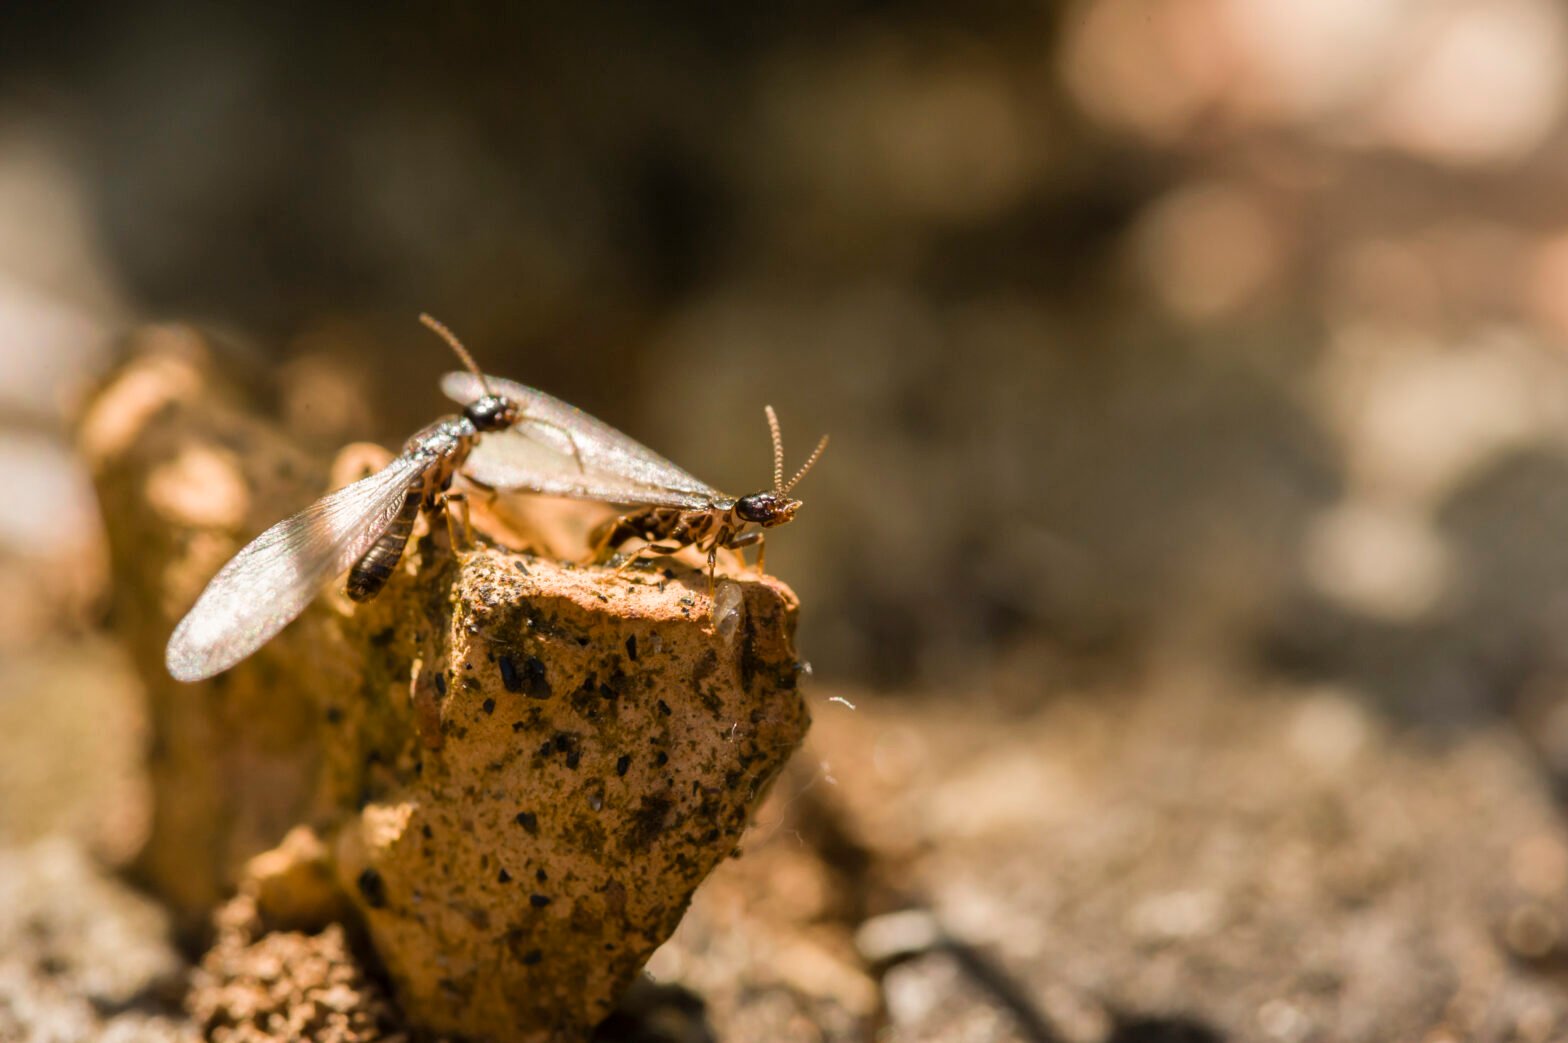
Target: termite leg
(746, 541)
(468, 525)
(713, 562)
(604, 539)
(656, 548)
(672, 545)
(468, 519)
(492, 494)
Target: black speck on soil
(334, 715)
(704, 669)
(631, 647)
(538, 901)
(441, 684)
(373, 888)
(587, 836)
(650, 820)
(750, 662)
(529, 821)
(541, 876)
(488, 706)
(509, 675)
(664, 708)
(661, 758)
(383, 638)
(623, 764)
(503, 877)
(520, 567)
(532, 956)
(535, 678)
(425, 831)
(585, 697)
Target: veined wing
(514, 460)
(608, 465)
(268, 583)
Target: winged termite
(559, 450)
(362, 527)
(532, 441)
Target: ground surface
(1186, 852)
(1193, 860)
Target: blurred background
(1226, 336)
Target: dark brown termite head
(488, 412)
(491, 413)
(767, 508)
(775, 506)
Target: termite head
(767, 509)
(491, 413)
(775, 506)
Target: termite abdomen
(370, 573)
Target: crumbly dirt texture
(256, 985)
(513, 771)
(83, 956)
(1201, 862)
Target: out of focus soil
(1176, 857)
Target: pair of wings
(558, 450)
(555, 449)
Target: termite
(508, 437)
(578, 456)
(363, 527)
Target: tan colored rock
(294, 884)
(518, 769)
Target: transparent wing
(556, 441)
(512, 460)
(268, 583)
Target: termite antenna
(778, 449)
(815, 453)
(457, 346)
